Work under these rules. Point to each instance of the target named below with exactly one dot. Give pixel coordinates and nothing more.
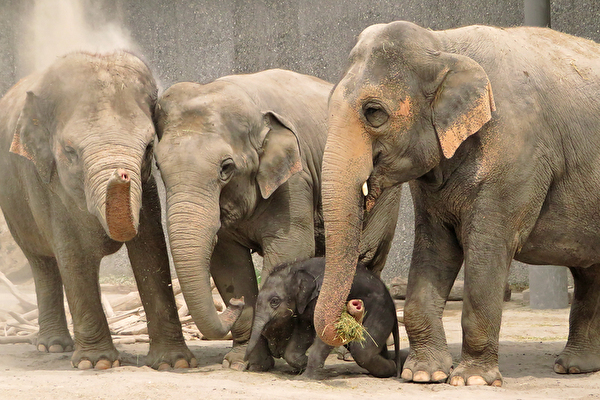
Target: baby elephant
(284, 316)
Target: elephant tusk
(365, 189)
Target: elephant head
(219, 156)
(285, 294)
(403, 106)
(87, 127)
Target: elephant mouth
(371, 192)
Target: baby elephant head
(284, 297)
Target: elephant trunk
(347, 163)
(121, 222)
(193, 223)
(114, 192)
(356, 309)
(257, 329)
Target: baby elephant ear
(31, 138)
(280, 154)
(308, 290)
(463, 101)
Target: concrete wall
(202, 40)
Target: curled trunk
(113, 190)
(193, 223)
(347, 163)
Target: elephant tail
(397, 355)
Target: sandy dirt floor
(530, 340)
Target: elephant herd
(497, 132)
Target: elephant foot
(259, 361)
(95, 359)
(235, 358)
(315, 374)
(435, 370)
(55, 344)
(343, 353)
(475, 376)
(573, 362)
(167, 357)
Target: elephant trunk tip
(347, 327)
(228, 318)
(356, 309)
(120, 220)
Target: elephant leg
(233, 272)
(317, 355)
(487, 262)
(150, 264)
(79, 271)
(436, 260)
(582, 352)
(373, 358)
(54, 335)
(302, 338)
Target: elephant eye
(70, 153)
(275, 302)
(375, 114)
(227, 169)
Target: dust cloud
(57, 27)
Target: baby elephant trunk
(122, 224)
(356, 309)
(257, 330)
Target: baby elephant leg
(295, 351)
(373, 358)
(317, 354)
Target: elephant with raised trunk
(498, 132)
(76, 154)
(241, 161)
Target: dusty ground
(530, 340)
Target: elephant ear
(279, 154)
(31, 138)
(308, 290)
(463, 101)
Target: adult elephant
(493, 176)
(241, 161)
(76, 157)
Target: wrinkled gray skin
(512, 173)
(284, 316)
(76, 157)
(241, 161)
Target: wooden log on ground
(26, 303)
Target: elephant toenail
(559, 369)
(457, 381)
(497, 383)
(422, 376)
(193, 363)
(164, 367)
(476, 381)
(574, 370)
(180, 364)
(55, 348)
(407, 375)
(42, 348)
(439, 376)
(85, 364)
(103, 364)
